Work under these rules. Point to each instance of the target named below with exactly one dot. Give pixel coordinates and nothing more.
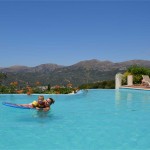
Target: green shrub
(137, 72)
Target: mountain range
(86, 71)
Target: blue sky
(63, 32)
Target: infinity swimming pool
(100, 119)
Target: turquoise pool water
(98, 120)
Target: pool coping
(135, 87)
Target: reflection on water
(127, 98)
(117, 97)
(124, 100)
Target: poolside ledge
(137, 87)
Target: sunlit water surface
(97, 120)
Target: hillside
(82, 72)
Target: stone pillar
(130, 80)
(118, 80)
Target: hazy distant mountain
(14, 69)
(40, 68)
(82, 72)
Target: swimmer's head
(41, 99)
(50, 101)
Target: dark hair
(52, 101)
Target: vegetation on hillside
(2, 77)
(15, 87)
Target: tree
(49, 87)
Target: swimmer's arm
(46, 108)
(38, 108)
(26, 105)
